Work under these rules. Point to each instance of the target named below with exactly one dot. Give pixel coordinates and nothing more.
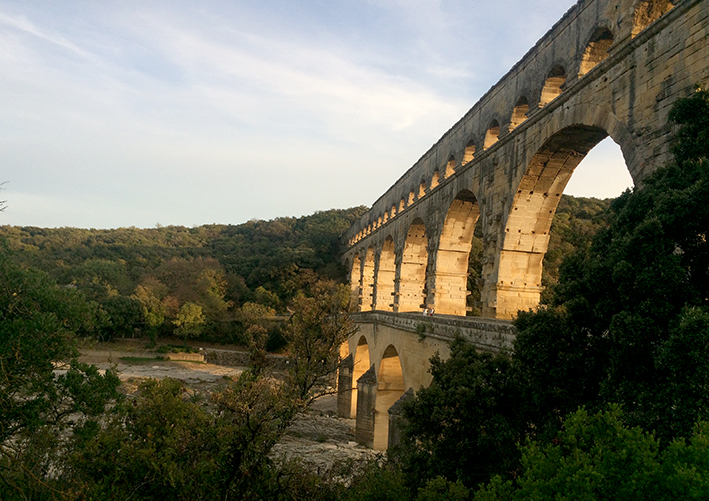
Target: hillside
(145, 279)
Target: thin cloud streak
(23, 25)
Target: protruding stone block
(395, 417)
(344, 387)
(366, 407)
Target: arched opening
(553, 85)
(647, 12)
(393, 211)
(379, 222)
(386, 275)
(385, 218)
(469, 152)
(412, 276)
(422, 189)
(450, 167)
(402, 205)
(451, 279)
(435, 178)
(526, 237)
(493, 132)
(601, 174)
(368, 281)
(412, 197)
(519, 113)
(361, 364)
(355, 282)
(596, 50)
(390, 388)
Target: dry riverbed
(318, 438)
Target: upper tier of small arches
(484, 125)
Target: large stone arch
(390, 387)
(451, 267)
(386, 276)
(412, 271)
(368, 280)
(628, 95)
(526, 233)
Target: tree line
(194, 282)
(187, 281)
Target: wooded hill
(144, 278)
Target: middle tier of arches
(406, 279)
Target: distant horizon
(132, 115)
(160, 225)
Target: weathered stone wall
(624, 63)
(190, 357)
(239, 359)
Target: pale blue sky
(134, 113)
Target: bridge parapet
(487, 334)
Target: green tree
(44, 390)
(166, 445)
(158, 445)
(627, 312)
(315, 332)
(189, 321)
(465, 425)
(599, 457)
(152, 309)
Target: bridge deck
(485, 333)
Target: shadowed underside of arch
(361, 364)
(355, 278)
(412, 278)
(386, 275)
(451, 277)
(519, 279)
(368, 280)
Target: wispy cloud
(314, 80)
(23, 25)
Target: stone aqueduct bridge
(607, 68)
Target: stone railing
(485, 333)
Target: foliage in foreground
(599, 457)
(66, 432)
(44, 390)
(167, 445)
(466, 424)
